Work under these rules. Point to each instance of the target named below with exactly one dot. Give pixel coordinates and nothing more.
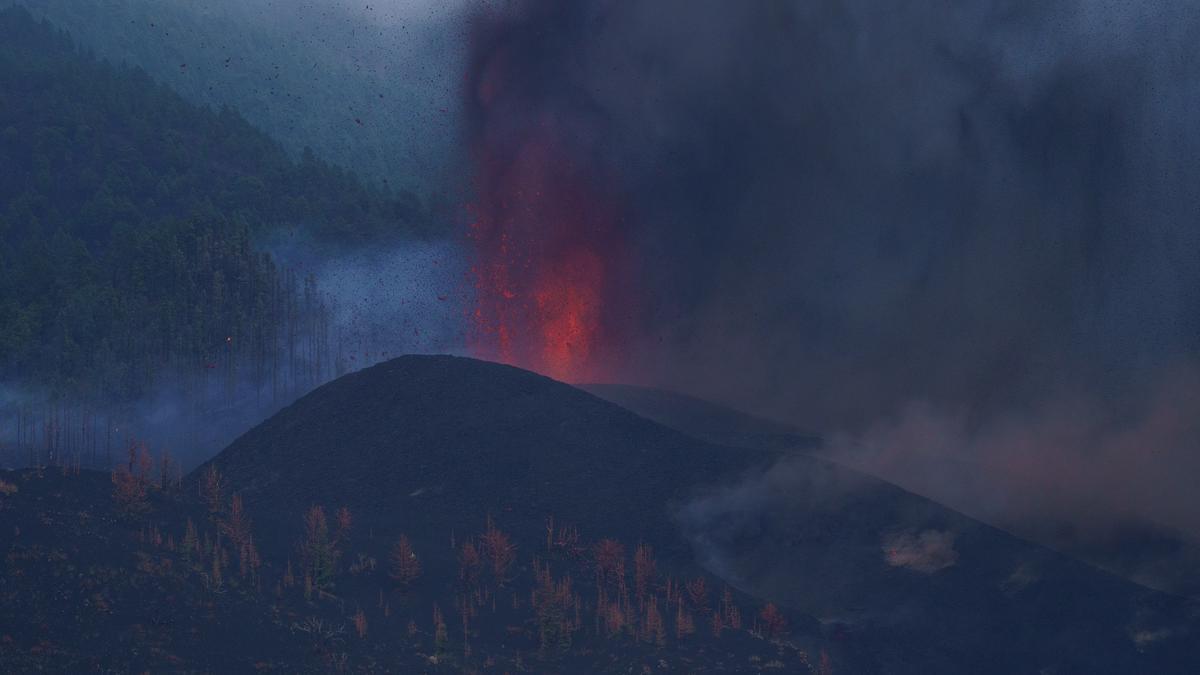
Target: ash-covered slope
(443, 441)
(431, 445)
(703, 419)
(906, 585)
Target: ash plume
(842, 213)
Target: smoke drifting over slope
(984, 209)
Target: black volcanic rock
(442, 441)
(703, 419)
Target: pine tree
(772, 622)
(440, 637)
(131, 480)
(212, 488)
(470, 564)
(191, 542)
(499, 550)
(644, 572)
(406, 567)
(360, 623)
(318, 550)
(698, 594)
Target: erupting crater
(548, 266)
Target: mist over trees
(128, 252)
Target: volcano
(893, 581)
(444, 440)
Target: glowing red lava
(548, 262)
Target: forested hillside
(128, 218)
(366, 87)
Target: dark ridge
(445, 440)
(703, 419)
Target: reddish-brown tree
(248, 560)
(608, 556)
(730, 614)
(470, 564)
(698, 594)
(717, 624)
(672, 588)
(131, 480)
(344, 520)
(191, 541)
(614, 617)
(653, 629)
(466, 612)
(212, 488)
(568, 540)
(360, 623)
(555, 606)
(237, 525)
(406, 567)
(644, 572)
(684, 625)
(499, 551)
(772, 623)
(215, 580)
(825, 666)
(440, 637)
(318, 549)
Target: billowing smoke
(959, 229)
(1069, 457)
(925, 552)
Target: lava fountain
(548, 262)
(550, 256)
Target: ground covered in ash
(88, 585)
(445, 514)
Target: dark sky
(963, 229)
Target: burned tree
(406, 567)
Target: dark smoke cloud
(846, 213)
